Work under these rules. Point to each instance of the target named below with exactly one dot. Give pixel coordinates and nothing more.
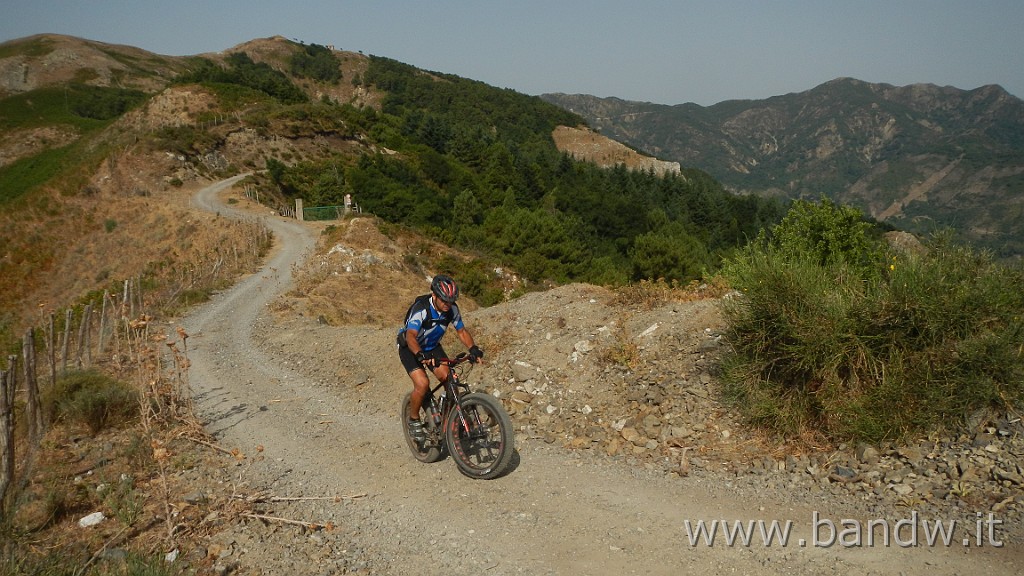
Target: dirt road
(557, 512)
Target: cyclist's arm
(411, 342)
(465, 337)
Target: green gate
(323, 213)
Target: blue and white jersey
(429, 323)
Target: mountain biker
(419, 342)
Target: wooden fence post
(80, 343)
(67, 342)
(138, 294)
(115, 326)
(88, 334)
(51, 350)
(102, 344)
(125, 310)
(34, 405)
(7, 386)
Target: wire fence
(117, 330)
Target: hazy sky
(667, 52)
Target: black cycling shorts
(409, 359)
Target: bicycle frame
(449, 405)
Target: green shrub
(862, 348)
(124, 502)
(92, 398)
(827, 233)
(670, 253)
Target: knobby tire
(484, 451)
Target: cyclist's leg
(440, 371)
(420, 381)
(420, 387)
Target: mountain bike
(471, 426)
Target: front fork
(450, 404)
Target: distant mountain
(46, 60)
(919, 157)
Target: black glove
(475, 354)
(422, 358)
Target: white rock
(650, 330)
(902, 489)
(92, 519)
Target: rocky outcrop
(587, 145)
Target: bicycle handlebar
(459, 359)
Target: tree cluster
(476, 166)
(316, 62)
(240, 69)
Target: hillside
(97, 138)
(917, 157)
(90, 196)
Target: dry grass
(69, 246)
(623, 351)
(649, 294)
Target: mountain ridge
(919, 157)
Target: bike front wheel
(481, 441)
(431, 449)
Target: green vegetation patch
(93, 399)
(84, 109)
(22, 175)
(242, 70)
(476, 166)
(87, 108)
(234, 97)
(33, 48)
(863, 345)
(316, 62)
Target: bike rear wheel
(432, 449)
(482, 444)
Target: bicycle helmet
(445, 288)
